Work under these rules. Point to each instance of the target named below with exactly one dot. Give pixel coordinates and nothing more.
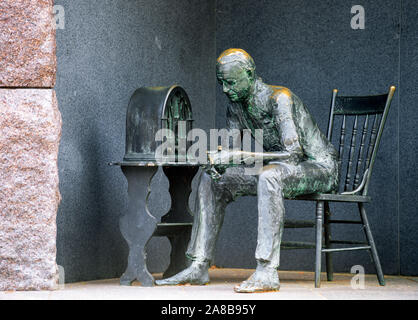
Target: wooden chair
(371, 112)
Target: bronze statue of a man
(306, 164)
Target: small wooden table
(138, 225)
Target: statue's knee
(270, 177)
(207, 183)
(205, 177)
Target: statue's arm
(287, 129)
(233, 124)
(218, 158)
(287, 133)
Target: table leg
(137, 225)
(180, 179)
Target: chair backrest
(365, 115)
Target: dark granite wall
(309, 47)
(408, 137)
(108, 49)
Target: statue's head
(235, 70)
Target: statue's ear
(250, 73)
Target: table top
(154, 164)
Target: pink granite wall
(30, 130)
(27, 44)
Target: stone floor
(294, 285)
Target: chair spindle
(351, 154)
(371, 142)
(361, 152)
(342, 138)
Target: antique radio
(151, 109)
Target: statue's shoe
(260, 281)
(253, 288)
(187, 276)
(174, 281)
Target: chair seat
(334, 197)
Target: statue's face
(235, 80)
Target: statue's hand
(219, 157)
(211, 170)
(218, 161)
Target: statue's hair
(239, 56)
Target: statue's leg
(274, 183)
(270, 229)
(212, 199)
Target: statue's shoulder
(281, 95)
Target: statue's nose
(225, 89)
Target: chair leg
(372, 245)
(318, 246)
(328, 255)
